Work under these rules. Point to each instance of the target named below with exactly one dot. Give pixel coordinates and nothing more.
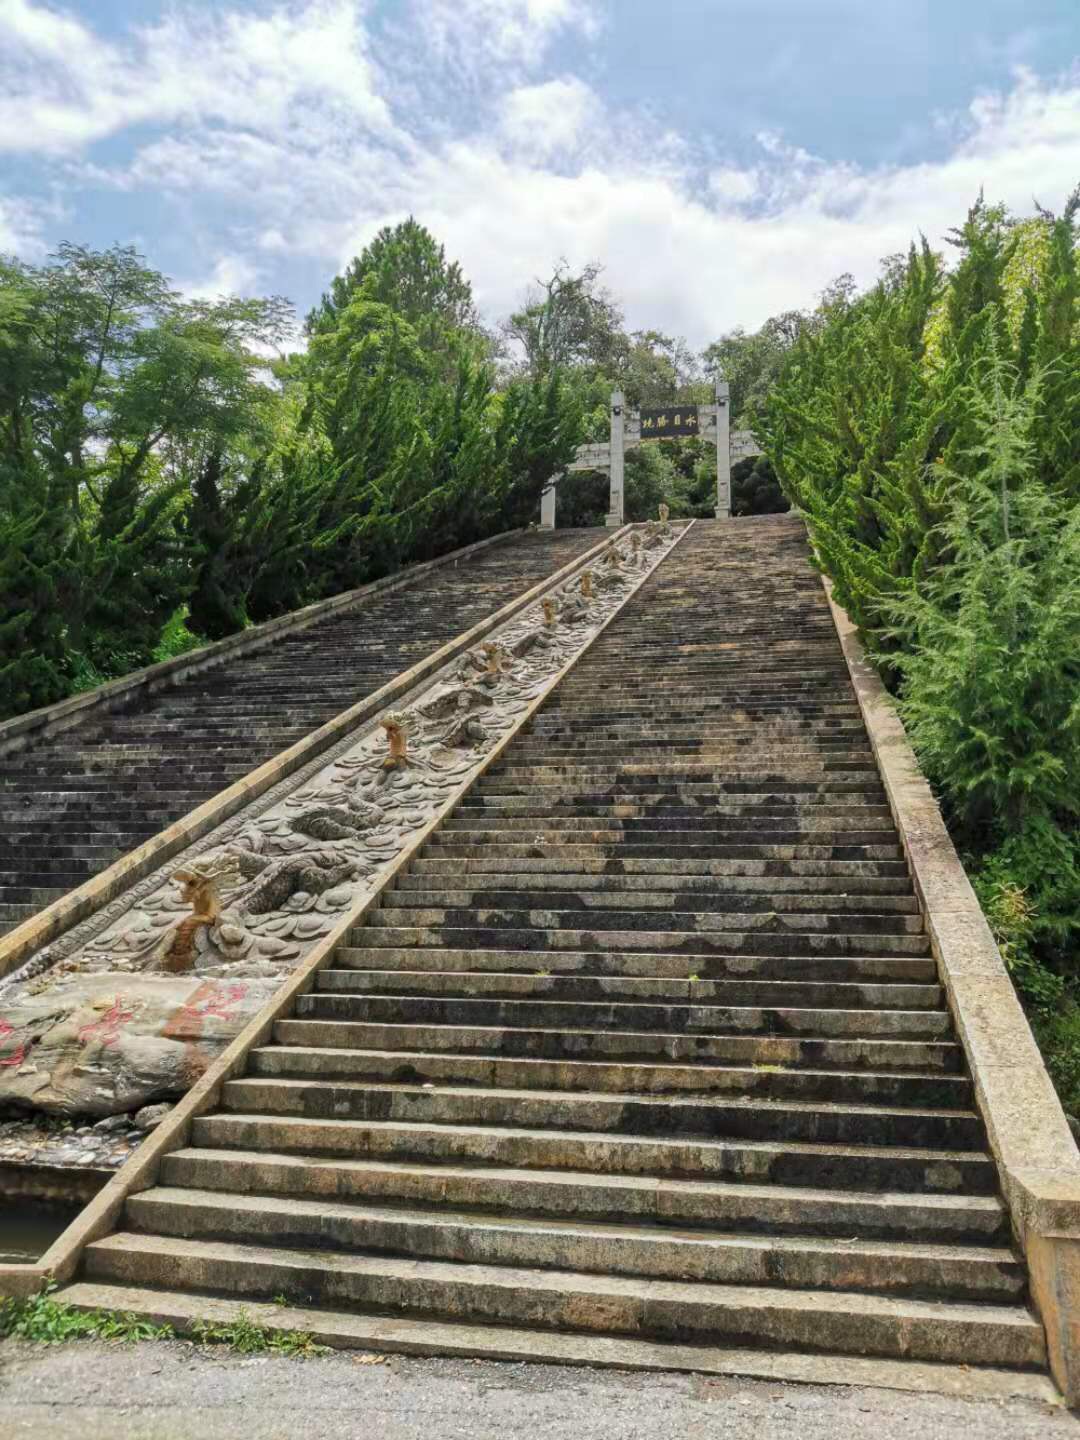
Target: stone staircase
(76, 801)
(645, 1051)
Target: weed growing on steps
(45, 1320)
(248, 1337)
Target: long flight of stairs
(647, 1046)
(76, 801)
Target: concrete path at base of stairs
(176, 1391)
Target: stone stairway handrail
(99, 1218)
(53, 921)
(22, 730)
(1036, 1156)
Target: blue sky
(722, 159)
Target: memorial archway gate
(630, 428)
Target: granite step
(743, 1208)
(647, 1046)
(989, 1273)
(766, 1049)
(893, 1326)
(694, 1117)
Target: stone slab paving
(179, 1392)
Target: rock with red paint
(109, 1044)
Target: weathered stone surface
(110, 1043)
(150, 1116)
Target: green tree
(751, 363)
(405, 269)
(110, 386)
(569, 322)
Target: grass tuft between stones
(44, 1320)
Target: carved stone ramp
(89, 784)
(643, 1060)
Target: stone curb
(52, 922)
(1037, 1159)
(99, 1218)
(22, 730)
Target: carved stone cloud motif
(242, 907)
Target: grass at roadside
(45, 1320)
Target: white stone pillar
(548, 502)
(618, 422)
(723, 450)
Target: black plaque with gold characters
(668, 422)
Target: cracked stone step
(402, 1335)
(510, 985)
(690, 1020)
(689, 942)
(651, 1045)
(659, 964)
(625, 914)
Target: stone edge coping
(23, 730)
(1037, 1159)
(55, 919)
(100, 1216)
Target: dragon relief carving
(266, 887)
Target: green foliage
(110, 385)
(406, 270)
(163, 484)
(991, 640)
(47, 1321)
(569, 321)
(247, 1337)
(44, 1320)
(751, 364)
(32, 629)
(930, 431)
(755, 489)
(177, 638)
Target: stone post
(548, 502)
(615, 508)
(723, 450)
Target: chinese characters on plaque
(669, 421)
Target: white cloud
(230, 275)
(515, 33)
(275, 120)
(62, 86)
(555, 118)
(20, 229)
(697, 258)
(731, 186)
